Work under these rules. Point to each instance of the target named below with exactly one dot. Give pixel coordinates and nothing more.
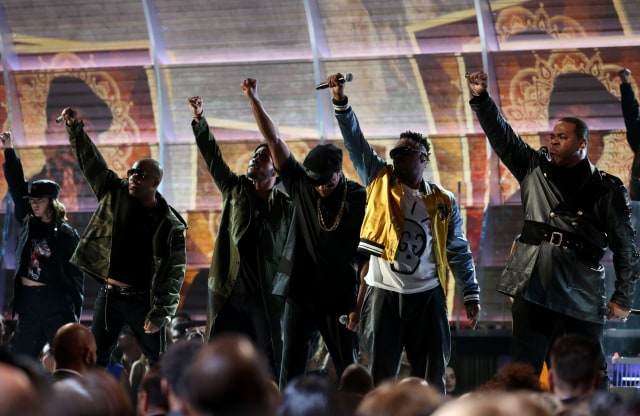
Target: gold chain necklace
(323, 227)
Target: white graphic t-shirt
(413, 269)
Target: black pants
(535, 328)
(247, 315)
(111, 313)
(41, 311)
(417, 322)
(301, 321)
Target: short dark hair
(582, 130)
(174, 363)
(575, 360)
(151, 385)
(418, 139)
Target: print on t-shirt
(39, 249)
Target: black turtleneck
(569, 180)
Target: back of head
(306, 396)
(18, 395)
(97, 393)
(495, 403)
(230, 377)
(72, 344)
(575, 363)
(513, 377)
(150, 385)
(400, 399)
(174, 363)
(356, 378)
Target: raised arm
(221, 173)
(630, 112)
(363, 156)
(92, 164)
(278, 148)
(14, 174)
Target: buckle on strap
(556, 239)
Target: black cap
(43, 189)
(322, 162)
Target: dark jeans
(417, 322)
(535, 328)
(41, 311)
(301, 322)
(249, 317)
(111, 313)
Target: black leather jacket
(631, 115)
(547, 273)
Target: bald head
(151, 166)
(74, 347)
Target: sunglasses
(403, 151)
(333, 182)
(139, 173)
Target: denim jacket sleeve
(364, 158)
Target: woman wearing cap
(48, 291)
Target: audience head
(575, 365)
(97, 393)
(74, 347)
(151, 399)
(306, 396)
(400, 399)
(494, 403)
(230, 377)
(356, 378)
(173, 366)
(18, 395)
(514, 376)
(450, 380)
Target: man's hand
(477, 83)
(68, 116)
(625, 75)
(617, 312)
(150, 328)
(7, 141)
(473, 313)
(195, 105)
(337, 87)
(354, 322)
(250, 88)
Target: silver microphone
(348, 77)
(343, 319)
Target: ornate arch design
(34, 89)
(515, 20)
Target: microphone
(348, 77)
(343, 319)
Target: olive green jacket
(93, 254)
(234, 221)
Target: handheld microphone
(348, 77)
(343, 319)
